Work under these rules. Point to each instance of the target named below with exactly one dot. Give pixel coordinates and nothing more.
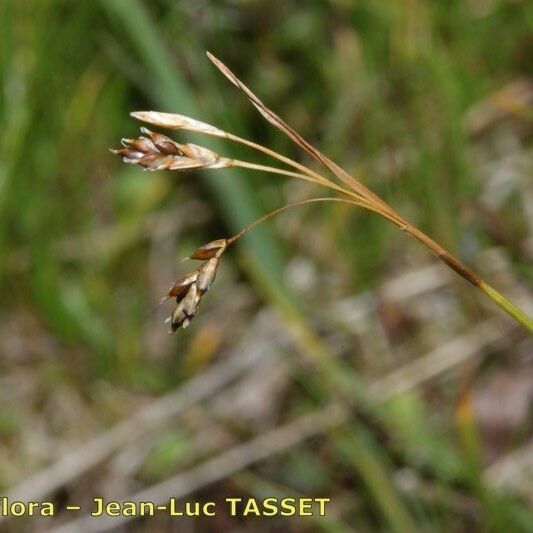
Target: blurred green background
(429, 103)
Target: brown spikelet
(159, 152)
(189, 289)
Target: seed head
(158, 152)
(190, 288)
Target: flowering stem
(306, 177)
(285, 207)
(288, 161)
(450, 260)
(355, 194)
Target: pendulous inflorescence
(154, 151)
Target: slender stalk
(449, 259)
(385, 210)
(288, 161)
(306, 177)
(285, 207)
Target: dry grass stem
(156, 152)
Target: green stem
(455, 264)
(507, 306)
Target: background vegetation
(399, 392)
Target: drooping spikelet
(189, 289)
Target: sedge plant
(155, 151)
